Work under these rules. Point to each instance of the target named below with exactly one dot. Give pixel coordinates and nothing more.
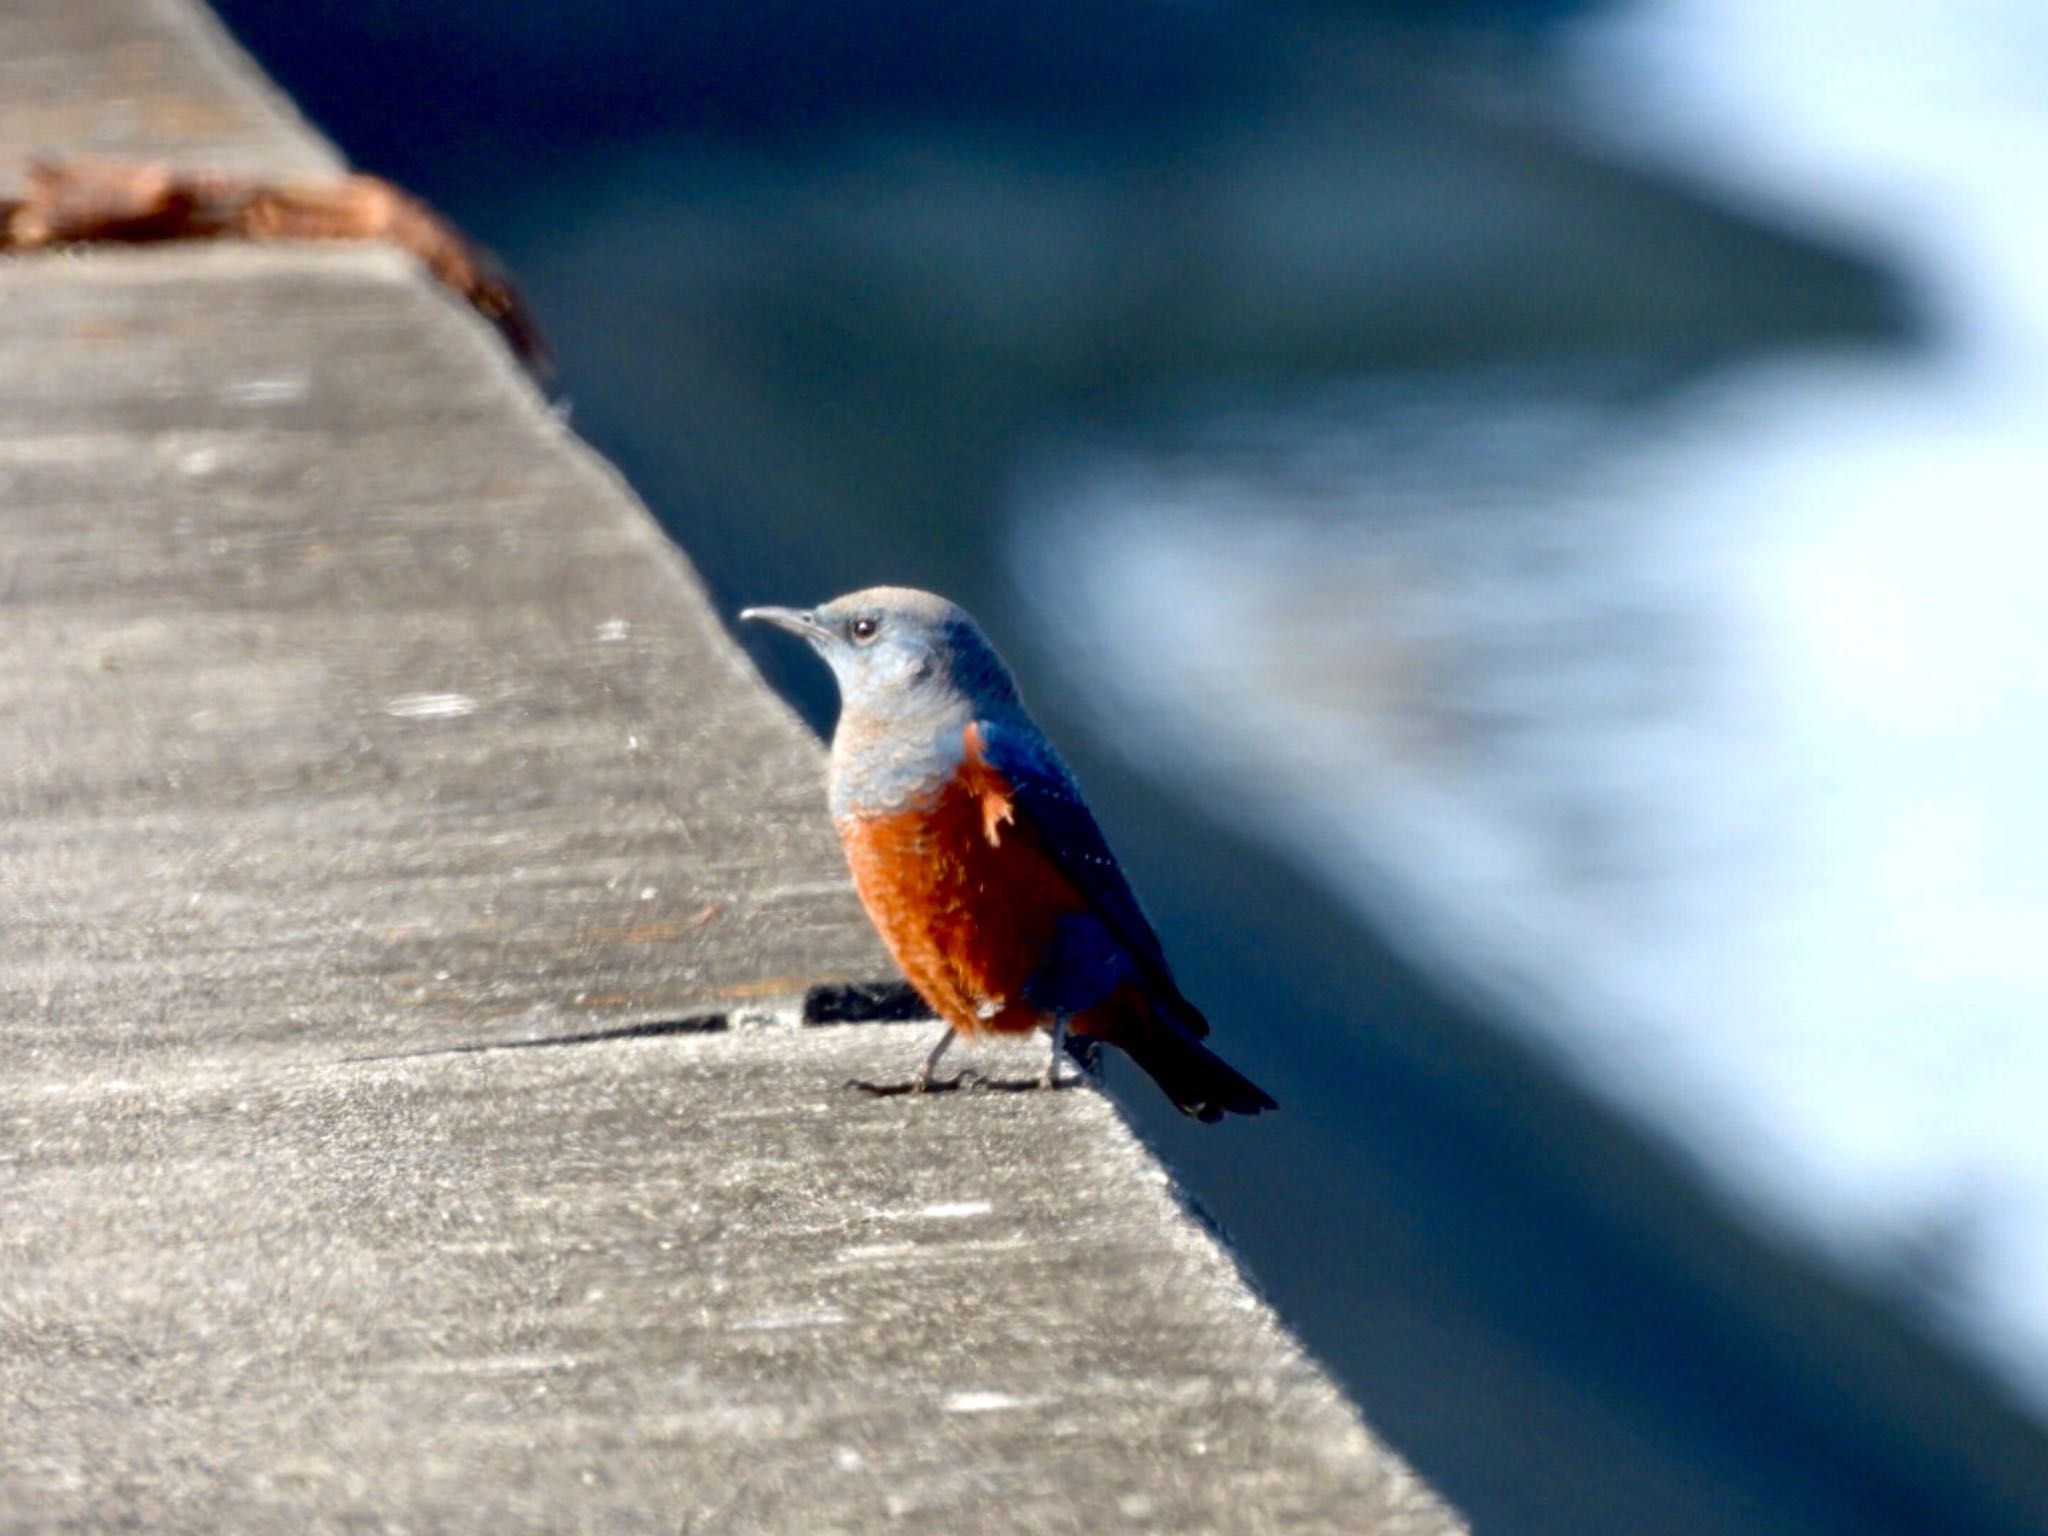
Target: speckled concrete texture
(412, 899)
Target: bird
(978, 860)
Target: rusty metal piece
(92, 201)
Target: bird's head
(896, 651)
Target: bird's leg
(1052, 1077)
(923, 1079)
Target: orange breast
(966, 902)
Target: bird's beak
(798, 621)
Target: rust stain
(774, 986)
(639, 933)
(656, 932)
(93, 201)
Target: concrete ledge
(357, 726)
(681, 1284)
(142, 78)
(354, 701)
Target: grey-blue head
(899, 654)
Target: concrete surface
(355, 723)
(325, 640)
(142, 78)
(688, 1284)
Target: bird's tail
(1165, 1040)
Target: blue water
(850, 294)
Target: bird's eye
(864, 629)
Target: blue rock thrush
(979, 862)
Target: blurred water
(1400, 454)
(1705, 729)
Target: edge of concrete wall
(411, 1118)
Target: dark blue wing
(1049, 804)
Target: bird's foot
(1052, 1078)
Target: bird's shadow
(968, 1081)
